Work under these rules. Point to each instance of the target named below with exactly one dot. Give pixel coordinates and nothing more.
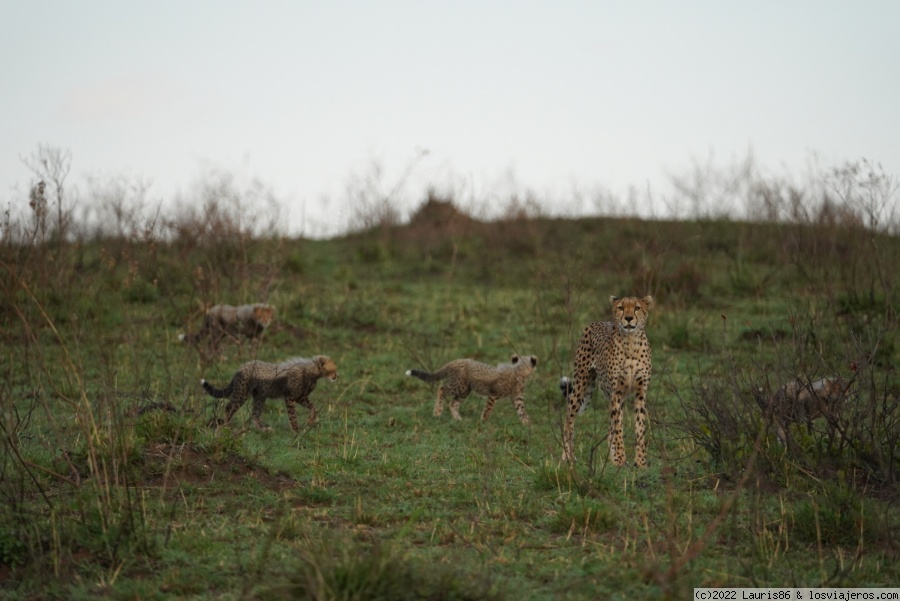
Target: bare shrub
(372, 202)
(609, 204)
(370, 206)
(222, 209)
(223, 231)
(854, 194)
(711, 192)
(729, 410)
(36, 241)
(118, 208)
(778, 200)
(867, 191)
(48, 196)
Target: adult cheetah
(463, 376)
(617, 356)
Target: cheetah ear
(515, 359)
(533, 361)
(613, 299)
(320, 360)
(648, 300)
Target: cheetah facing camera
(463, 376)
(227, 320)
(293, 379)
(615, 355)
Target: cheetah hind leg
(232, 407)
(439, 403)
(488, 407)
(256, 415)
(569, 431)
(588, 395)
(311, 420)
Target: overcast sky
(551, 96)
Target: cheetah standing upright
(617, 355)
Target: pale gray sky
(550, 95)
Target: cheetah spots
(461, 377)
(617, 356)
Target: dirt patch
(168, 465)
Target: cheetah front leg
(488, 407)
(616, 442)
(215, 337)
(519, 404)
(292, 413)
(640, 422)
(291, 409)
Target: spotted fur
(463, 376)
(293, 379)
(616, 355)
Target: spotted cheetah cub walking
(617, 356)
(293, 379)
(464, 376)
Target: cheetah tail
(191, 338)
(565, 387)
(424, 375)
(217, 393)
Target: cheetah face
(329, 368)
(525, 364)
(263, 314)
(630, 312)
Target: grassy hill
(115, 486)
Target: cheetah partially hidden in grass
(617, 356)
(801, 400)
(223, 321)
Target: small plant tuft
(358, 572)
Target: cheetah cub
(803, 401)
(464, 376)
(615, 355)
(293, 379)
(223, 321)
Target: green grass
(382, 500)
